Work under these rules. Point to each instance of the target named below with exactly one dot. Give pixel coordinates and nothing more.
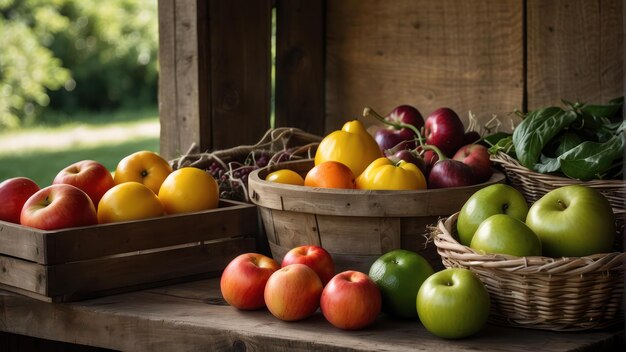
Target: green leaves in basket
(580, 141)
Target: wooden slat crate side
(459, 54)
(84, 279)
(24, 274)
(299, 99)
(22, 242)
(575, 51)
(239, 70)
(231, 220)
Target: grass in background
(36, 152)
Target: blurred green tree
(76, 55)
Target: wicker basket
(355, 226)
(534, 185)
(540, 292)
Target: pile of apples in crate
(85, 193)
(408, 153)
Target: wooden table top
(193, 317)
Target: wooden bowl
(354, 226)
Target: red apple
(476, 156)
(450, 173)
(293, 292)
(444, 129)
(57, 207)
(315, 257)
(14, 192)
(351, 300)
(244, 278)
(90, 176)
(388, 137)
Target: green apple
(573, 221)
(453, 303)
(494, 199)
(504, 234)
(399, 275)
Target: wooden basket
(355, 226)
(539, 292)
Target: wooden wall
(333, 58)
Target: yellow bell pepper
(351, 146)
(382, 174)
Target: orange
(128, 201)
(285, 176)
(144, 167)
(330, 174)
(187, 190)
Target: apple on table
(453, 303)
(14, 192)
(351, 300)
(243, 280)
(315, 257)
(58, 206)
(293, 292)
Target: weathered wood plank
(575, 51)
(299, 99)
(240, 70)
(167, 77)
(180, 118)
(82, 243)
(192, 317)
(459, 54)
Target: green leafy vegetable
(536, 130)
(581, 141)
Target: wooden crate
(354, 226)
(83, 262)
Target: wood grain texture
(361, 203)
(239, 70)
(231, 219)
(180, 118)
(463, 55)
(299, 100)
(193, 317)
(575, 51)
(167, 78)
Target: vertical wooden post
(300, 64)
(214, 86)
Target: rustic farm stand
(333, 58)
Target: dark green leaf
(548, 165)
(609, 111)
(589, 160)
(536, 130)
